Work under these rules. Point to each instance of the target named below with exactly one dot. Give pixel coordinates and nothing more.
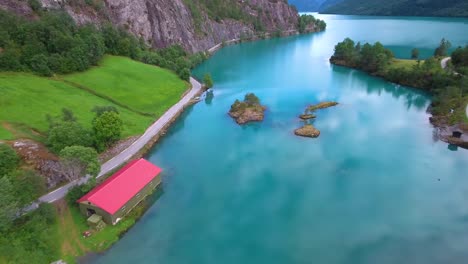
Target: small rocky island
(249, 110)
(321, 106)
(309, 130)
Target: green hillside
(400, 7)
(26, 99)
(142, 87)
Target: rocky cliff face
(165, 22)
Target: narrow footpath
(133, 149)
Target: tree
(78, 161)
(414, 54)
(345, 50)
(8, 205)
(8, 159)
(67, 115)
(28, 186)
(184, 74)
(66, 134)
(39, 65)
(107, 129)
(443, 48)
(208, 81)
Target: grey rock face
(165, 22)
(162, 23)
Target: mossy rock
(250, 110)
(307, 131)
(307, 116)
(322, 105)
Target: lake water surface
(375, 187)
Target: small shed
(116, 196)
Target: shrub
(184, 74)
(35, 5)
(8, 159)
(28, 186)
(107, 129)
(66, 134)
(208, 81)
(78, 161)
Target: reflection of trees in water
(413, 97)
(209, 95)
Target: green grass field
(26, 99)
(399, 63)
(141, 87)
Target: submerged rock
(307, 131)
(250, 110)
(321, 105)
(307, 116)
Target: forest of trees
(397, 7)
(370, 58)
(309, 20)
(460, 60)
(450, 91)
(54, 44)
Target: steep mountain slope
(329, 3)
(195, 24)
(307, 5)
(398, 7)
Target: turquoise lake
(375, 187)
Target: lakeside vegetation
(54, 44)
(458, 8)
(449, 90)
(30, 238)
(306, 21)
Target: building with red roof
(117, 195)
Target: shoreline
(444, 131)
(145, 141)
(158, 128)
(151, 136)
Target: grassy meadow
(132, 87)
(403, 63)
(142, 87)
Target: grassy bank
(141, 87)
(71, 225)
(26, 99)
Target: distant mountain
(397, 7)
(329, 3)
(307, 5)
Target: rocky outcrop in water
(307, 116)
(321, 105)
(249, 110)
(307, 131)
(162, 23)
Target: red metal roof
(118, 189)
